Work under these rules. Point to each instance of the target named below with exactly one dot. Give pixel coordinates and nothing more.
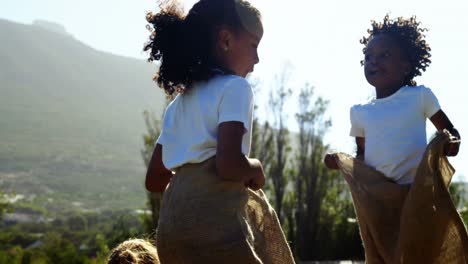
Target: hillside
(71, 119)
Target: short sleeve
(160, 139)
(430, 104)
(236, 103)
(167, 122)
(356, 128)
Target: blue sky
(317, 40)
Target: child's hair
(410, 38)
(185, 44)
(134, 251)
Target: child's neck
(386, 92)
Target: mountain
(50, 26)
(71, 119)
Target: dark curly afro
(409, 36)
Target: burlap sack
(206, 220)
(408, 224)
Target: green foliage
(102, 249)
(464, 214)
(153, 127)
(12, 256)
(67, 252)
(317, 207)
(4, 205)
(57, 242)
(279, 96)
(459, 193)
(262, 137)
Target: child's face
(385, 66)
(239, 53)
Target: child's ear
(224, 39)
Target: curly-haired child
(213, 210)
(390, 133)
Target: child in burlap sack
(396, 168)
(213, 210)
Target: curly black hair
(185, 45)
(409, 36)
(134, 250)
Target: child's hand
(257, 181)
(330, 161)
(453, 146)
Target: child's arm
(360, 147)
(441, 122)
(157, 176)
(231, 163)
(330, 162)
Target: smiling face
(238, 50)
(385, 66)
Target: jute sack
(206, 220)
(408, 224)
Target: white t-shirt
(190, 128)
(394, 129)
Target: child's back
(191, 120)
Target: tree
(279, 95)
(77, 222)
(262, 136)
(322, 204)
(311, 180)
(4, 205)
(102, 250)
(13, 255)
(59, 249)
(458, 193)
(149, 139)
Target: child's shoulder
(218, 84)
(416, 89)
(419, 92)
(361, 105)
(217, 88)
(404, 91)
(229, 80)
